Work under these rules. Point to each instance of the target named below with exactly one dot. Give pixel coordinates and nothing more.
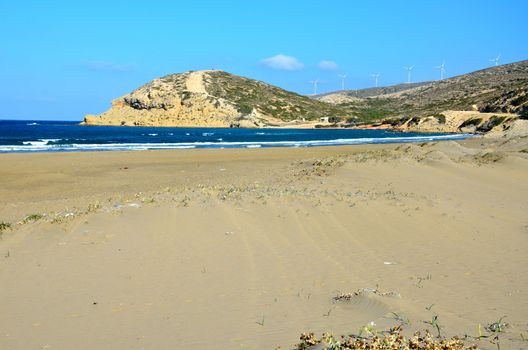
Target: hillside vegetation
(501, 89)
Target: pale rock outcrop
(172, 101)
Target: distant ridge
(502, 89)
(374, 91)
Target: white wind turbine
(442, 70)
(343, 77)
(314, 83)
(409, 69)
(496, 60)
(376, 76)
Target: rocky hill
(501, 89)
(212, 99)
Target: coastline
(69, 137)
(246, 248)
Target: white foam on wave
(42, 145)
(35, 143)
(39, 142)
(207, 133)
(32, 124)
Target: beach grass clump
(93, 207)
(4, 226)
(32, 218)
(392, 339)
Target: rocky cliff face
(455, 121)
(211, 99)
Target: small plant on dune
(368, 329)
(32, 218)
(496, 328)
(493, 331)
(4, 226)
(93, 207)
(523, 338)
(403, 321)
(434, 323)
(327, 314)
(420, 279)
(331, 342)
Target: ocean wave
(39, 142)
(44, 145)
(32, 124)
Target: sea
(69, 136)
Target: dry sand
(245, 249)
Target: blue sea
(67, 136)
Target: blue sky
(64, 59)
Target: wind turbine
(314, 83)
(409, 69)
(376, 76)
(442, 70)
(496, 60)
(343, 77)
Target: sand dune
(246, 249)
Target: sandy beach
(246, 248)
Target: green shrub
(244, 109)
(471, 122)
(440, 117)
(4, 226)
(492, 122)
(520, 100)
(32, 218)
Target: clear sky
(64, 59)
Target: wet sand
(245, 249)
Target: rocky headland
(212, 98)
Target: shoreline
(80, 141)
